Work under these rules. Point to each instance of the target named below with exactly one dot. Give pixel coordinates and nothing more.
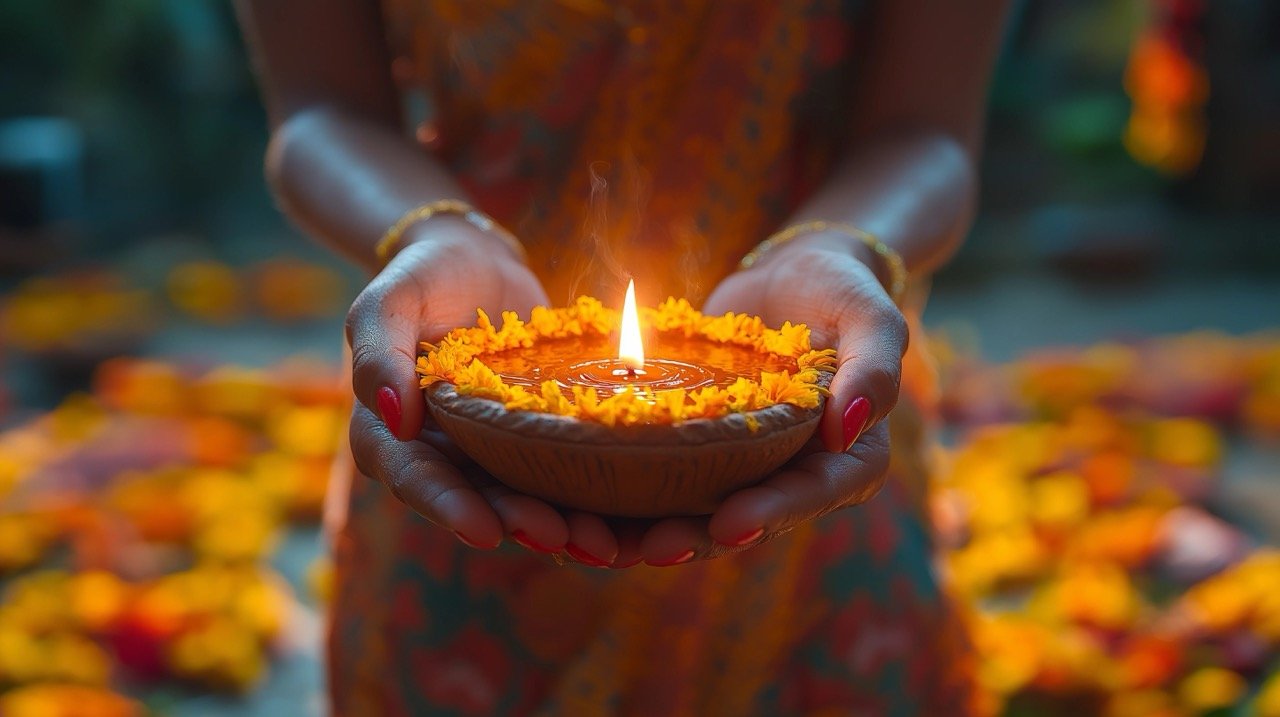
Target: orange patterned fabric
(661, 139)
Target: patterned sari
(667, 138)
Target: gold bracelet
(892, 260)
(390, 242)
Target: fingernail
(584, 557)
(745, 538)
(682, 558)
(471, 543)
(389, 408)
(855, 419)
(629, 564)
(522, 539)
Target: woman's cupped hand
(434, 284)
(447, 269)
(826, 283)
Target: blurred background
(1108, 500)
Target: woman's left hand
(825, 282)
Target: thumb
(383, 329)
(872, 339)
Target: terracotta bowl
(635, 471)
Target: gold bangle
(390, 241)
(892, 260)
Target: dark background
(160, 130)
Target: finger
(441, 441)
(591, 540)
(733, 293)
(531, 523)
(383, 331)
(423, 479)
(808, 487)
(674, 541)
(629, 533)
(872, 340)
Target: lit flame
(630, 346)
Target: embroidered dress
(666, 138)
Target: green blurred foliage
(161, 91)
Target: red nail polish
(629, 564)
(683, 558)
(471, 543)
(745, 538)
(522, 539)
(389, 408)
(584, 557)
(855, 419)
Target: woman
(661, 140)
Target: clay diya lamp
(575, 407)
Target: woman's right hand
(435, 283)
